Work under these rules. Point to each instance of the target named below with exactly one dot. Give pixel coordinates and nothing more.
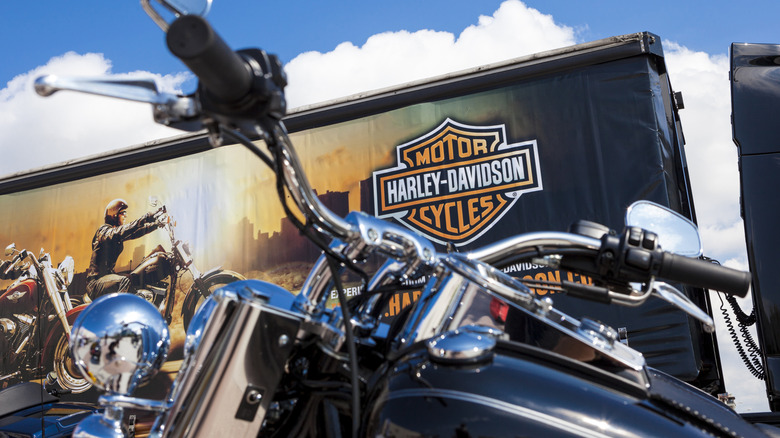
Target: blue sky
(334, 49)
(33, 32)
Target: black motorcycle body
(469, 380)
(533, 392)
(28, 410)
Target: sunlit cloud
(37, 131)
(394, 58)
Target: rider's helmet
(113, 209)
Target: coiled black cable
(746, 321)
(742, 317)
(751, 357)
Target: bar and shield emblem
(455, 182)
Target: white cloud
(36, 131)
(394, 58)
(712, 156)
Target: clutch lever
(180, 112)
(675, 297)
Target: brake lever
(168, 109)
(137, 90)
(676, 298)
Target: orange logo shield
(455, 182)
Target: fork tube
(52, 292)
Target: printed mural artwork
(464, 171)
(34, 321)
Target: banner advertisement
(528, 155)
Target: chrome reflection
(676, 233)
(460, 295)
(462, 346)
(119, 342)
(198, 324)
(66, 269)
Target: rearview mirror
(676, 233)
(177, 8)
(187, 7)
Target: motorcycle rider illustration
(107, 245)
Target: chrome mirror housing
(187, 7)
(119, 342)
(675, 232)
(10, 249)
(175, 7)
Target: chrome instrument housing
(462, 287)
(222, 389)
(119, 342)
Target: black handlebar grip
(222, 72)
(704, 274)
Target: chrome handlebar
(296, 182)
(495, 253)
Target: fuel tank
(21, 297)
(519, 390)
(152, 269)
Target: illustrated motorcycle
(260, 361)
(36, 314)
(157, 276)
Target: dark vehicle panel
(755, 89)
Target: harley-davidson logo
(455, 182)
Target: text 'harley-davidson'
(36, 313)
(259, 360)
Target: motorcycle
(260, 361)
(36, 314)
(157, 276)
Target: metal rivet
(253, 397)
(546, 305)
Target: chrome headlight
(66, 268)
(119, 342)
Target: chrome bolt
(546, 304)
(253, 397)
